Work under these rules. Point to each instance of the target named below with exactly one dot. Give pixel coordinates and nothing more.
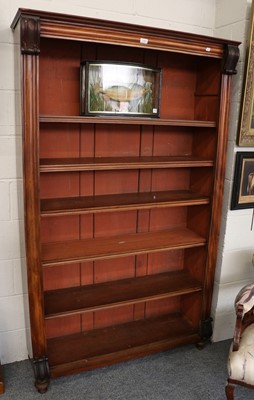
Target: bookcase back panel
(162, 307)
(178, 85)
(114, 316)
(86, 226)
(201, 180)
(109, 182)
(111, 224)
(171, 179)
(199, 220)
(117, 141)
(119, 54)
(167, 218)
(87, 273)
(186, 91)
(195, 262)
(143, 219)
(172, 141)
(87, 322)
(209, 76)
(146, 141)
(87, 140)
(86, 183)
(204, 144)
(165, 261)
(61, 276)
(207, 94)
(139, 311)
(63, 326)
(191, 308)
(59, 141)
(115, 269)
(66, 141)
(59, 77)
(206, 108)
(55, 229)
(64, 184)
(141, 265)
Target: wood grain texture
(118, 246)
(100, 31)
(219, 177)
(111, 294)
(115, 163)
(127, 201)
(30, 68)
(99, 347)
(75, 119)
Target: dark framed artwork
(243, 186)
(124, 89)
(246, 128)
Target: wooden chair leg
(1, 380)
(230, 388)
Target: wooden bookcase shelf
(125, 121)
(87, 164)
(111, 294)
(121, 342)
(120, 202)
(118, 246)
(122, 213)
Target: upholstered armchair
(241, 354)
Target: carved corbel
(230, 59)
(30, 35)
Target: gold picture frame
(246, 129)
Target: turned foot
(202, 344)
(42, 387)
(41, 372)
(206, 331)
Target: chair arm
(238, 327)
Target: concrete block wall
(13, 290)
(197, 16)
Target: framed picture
(111, 88)
(246, 128)
(243, 187)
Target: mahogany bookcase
(122, 213)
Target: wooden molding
(54, 25)
(32, 203)
(218, 184)
(30, 35)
